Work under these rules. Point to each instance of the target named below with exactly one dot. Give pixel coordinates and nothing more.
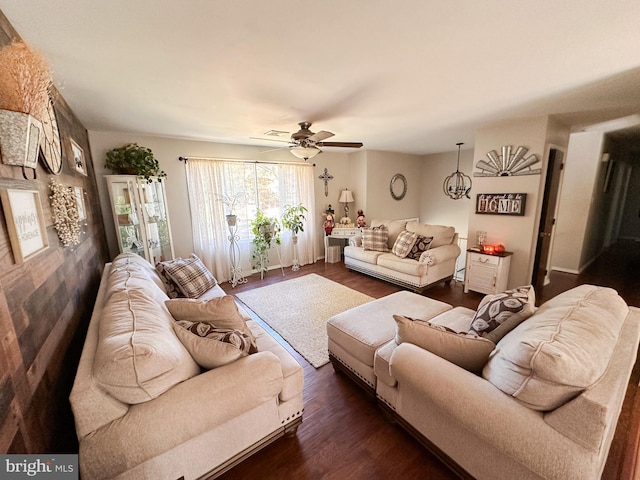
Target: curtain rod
(185, 159)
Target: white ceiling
(411, 76)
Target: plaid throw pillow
(404, 243)
(169, 285)
(375, 238)
(190, 275)
(422, 244)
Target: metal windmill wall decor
(457, 185)
(508, 164)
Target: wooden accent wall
(45, 305)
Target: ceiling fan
(304, 143)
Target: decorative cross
(326, 177)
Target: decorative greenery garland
(66, 219)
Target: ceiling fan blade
(319, 136)
(273, 149)
(270, 139)
(340, 144)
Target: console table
(487, 272)
(339, 234)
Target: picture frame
(79, 194)
(77, 160)
(501, 203)
(25, 223)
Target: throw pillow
(421, 245)
(213, 347)
(221, 312)
(404, 243)
(375, 238)
(190, 275)
(170, 286)
(498, 314)
(470, 353)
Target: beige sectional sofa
(437, 263)
(544, 404)
(144, 408)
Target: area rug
(298, 310)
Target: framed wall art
(25, 223)
(79, 194)
(501, 203)
(77, 160)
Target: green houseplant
(133, 159)
(266, 231)
(293, 219)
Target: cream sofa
(153, 412)
(545, 404)
(436, 264)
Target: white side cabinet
(141, 217)
(487, 273)
(342, 234)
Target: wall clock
(50, 146)
(398, 186)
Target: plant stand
(234, 252)
(296, 266)
(263, 260)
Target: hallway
(618, 268)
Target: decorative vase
(232, 220)
(19, 138)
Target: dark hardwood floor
(345, 436)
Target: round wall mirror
(398, 186)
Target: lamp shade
(346, 196)
(305, 152)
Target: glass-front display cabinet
(141, 217)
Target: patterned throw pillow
(466, 352)
(190, 275)
(375, 238)
(404, 243)
(421, 245)
(169, 285)
(498, 314)
(213, 347)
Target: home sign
(501, 203)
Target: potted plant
(230, 201)
(293, 219)
(266, 231)
(25, 84)
(133, 159)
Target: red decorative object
(490, 249)
(499, 248)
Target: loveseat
(144, 408)
(539, 400)
(405, 252)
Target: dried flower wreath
(66, 219)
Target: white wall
(435, 207)
(580, 173)
(517, 233)
(381, 167)
(167, 151)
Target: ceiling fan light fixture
(305, 152)
(457, 185)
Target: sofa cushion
(402, 265)
(498, 314)
(470, 353)
(562, 350)
(221, 312)
(441, 235)
(213, 347)
(393, 226)
(131, 271)
(422, 244)
(358, 253)
(190, 275)
(375, 238)
(170, 286)
(138, 356)
(404, 243)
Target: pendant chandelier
(457, 185)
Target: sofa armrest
(355, 241)
(187, 410)
(428, 383)
(440, 254)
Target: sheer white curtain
(208, 180)
(209, 225)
